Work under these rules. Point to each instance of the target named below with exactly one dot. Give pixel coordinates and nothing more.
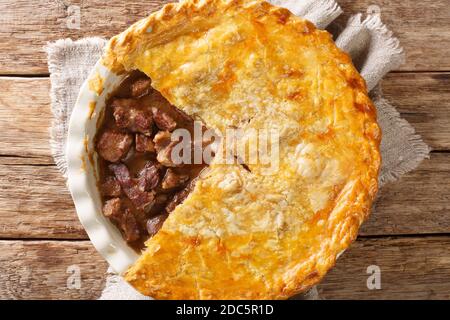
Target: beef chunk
(130, 226)
(162, 139)
(129, 115)
(113, 145)
(122, 174)
(112, 208)
(155, 223)
(111, 187)
(172, 180)
(165, 155)
(140, 87)
(123, 218)
(164, 147)
(144, 144)
(140, 198)
(178, 198)
(149, 176)
(163, 120)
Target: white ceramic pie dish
(82, 166)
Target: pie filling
(139, 182)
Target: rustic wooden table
(42, 243)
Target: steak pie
(238, 229)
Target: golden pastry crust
(248, 64)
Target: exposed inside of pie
(140, 183)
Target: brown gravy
(138, 190)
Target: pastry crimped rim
(240, 234)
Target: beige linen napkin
(372, 46)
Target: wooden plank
(418, 203)
(28, 25)
(423, 99)
(423, 28)
(25, 118)
(42, 270)
(36, 203)
(411, 268)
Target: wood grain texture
(25, 119)
(36, 203)
(423, 27)
(418, 203)
(424, 101)
(29, 25)
(410, 268)
(42, 270)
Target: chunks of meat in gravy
(112, 145)
(144, 143)
(172, 180)
(110, 187)
(155, 223)
(163, 120)
(139, 183)
(140, 87)
(129, 114)
(123, 217)
(164, 146)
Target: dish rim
(81, 171)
